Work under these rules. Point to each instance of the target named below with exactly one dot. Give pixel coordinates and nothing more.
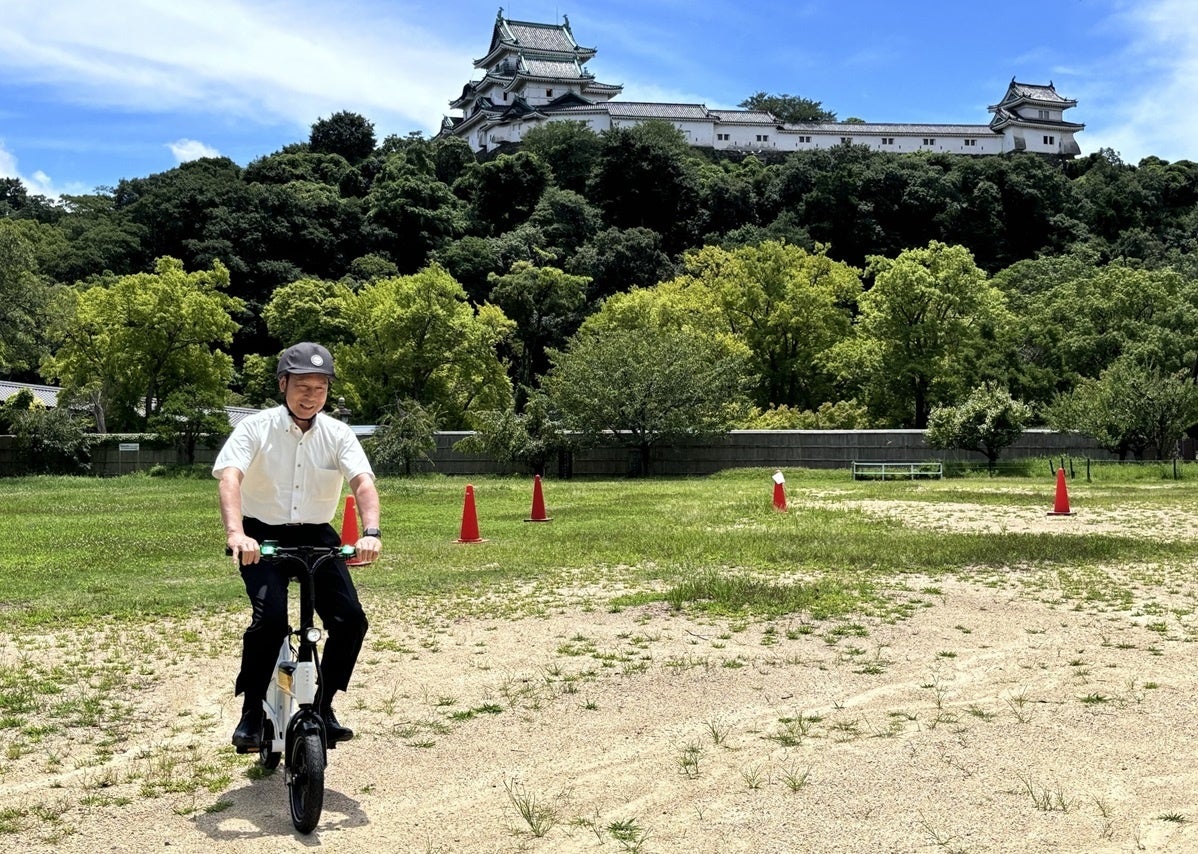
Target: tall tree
(418, 337)
(25, 296)
(502, 193)
(788, 108)
(647, 177)
(344, 133)
(646, 387)
(571, 150)
(618, 259)
(125, 347)
(921, 331)
(545, 304)
(787, 305)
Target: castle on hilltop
(534, 73)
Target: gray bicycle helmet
(306, 358)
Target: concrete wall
(774, 449)
(782, 449)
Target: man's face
(305, 393)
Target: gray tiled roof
(540, 36)
(1036, 93)
(649, 110)
(48, 396)
(873, 128)
(747, 117)
(551, 68)
(45, 394)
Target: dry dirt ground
(984, 712)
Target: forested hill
(1091, 259)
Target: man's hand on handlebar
(245, 550)
(368, 549)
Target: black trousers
(336, 603)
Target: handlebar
(271, 548)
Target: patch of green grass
(707, 543)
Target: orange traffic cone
(349, 529)
(1061, 506)
(538, 502)
(779, 492)
(469, 532)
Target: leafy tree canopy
(788, 108)
(987, 421)
(125, 347)
(416, 337)
(347, 134)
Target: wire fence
(1078, 468)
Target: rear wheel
(306, 785)
(266, 753)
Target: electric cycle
(292, 728)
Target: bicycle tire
(306, 783)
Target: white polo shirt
(291, 476)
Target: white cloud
(1146, 106)
(191, 149)
(255, 59)
(8, 163)
(37, 184)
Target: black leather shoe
(334, 730)
(249, 729)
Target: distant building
(534, 73)
(47, 396)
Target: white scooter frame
(292, 729)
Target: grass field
(878, 638)
(134, 546)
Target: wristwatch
(373, 532)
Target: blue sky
(92, 91)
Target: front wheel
(306, 784)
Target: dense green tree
(96, 239)
(502, 193)
(125, 347)
(418, 337)
(174, 207)
(308, 310)
(1133, 407)
(921, 331)
(283, 167)
(727, 197)
(647, 177)
(789, 108)
(566, 221)
(987, 421)
(25, 296)
(452, 156)
(570, 149)
(1093, 315)
(787, 305)
(347, 134)
(17, 203)
(51, 441)
(413, 215)
(545, 304)
(618, 259)
(646, 387)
